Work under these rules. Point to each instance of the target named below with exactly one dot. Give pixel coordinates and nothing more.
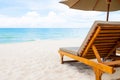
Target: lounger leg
(98, 73)
(61, 55)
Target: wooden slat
(104, 41)
(112, 63)
(111, 27)
(113, 49)
(110, 31)
(101, 54)
(112, 35)
(105, 44)
(107, 38)
(103, 49)
(93, 56)
(99, 66)
(91, 41)
(92, 53)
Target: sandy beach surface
(39, 60)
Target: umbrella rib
(75, 3)
(95, 5)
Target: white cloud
(31, 19)
(32, 14)
(57, 15)
(68, 19)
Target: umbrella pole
(108, 9)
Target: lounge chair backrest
(105, 36)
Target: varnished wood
(110, 27)
(113, 49)
(110, 31)
(99, 66)
(100, 47)
(91, 41)
(113, 62)
(107, 38)
(104, 41)
(101, 43)
(61, 56)
(106, 35)
(70, 61)
(105, 44)
(96, 53)
(98, 73)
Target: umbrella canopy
(94, 5)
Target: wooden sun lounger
(100, 43)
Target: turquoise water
(12, 35)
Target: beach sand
(39, 60)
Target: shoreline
(39, 60)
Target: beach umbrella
(94, 5)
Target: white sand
(39, 60)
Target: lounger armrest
(112, 63)
(100, 66)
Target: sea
(15, 35)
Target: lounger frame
(102, 34)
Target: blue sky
(47, 14)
